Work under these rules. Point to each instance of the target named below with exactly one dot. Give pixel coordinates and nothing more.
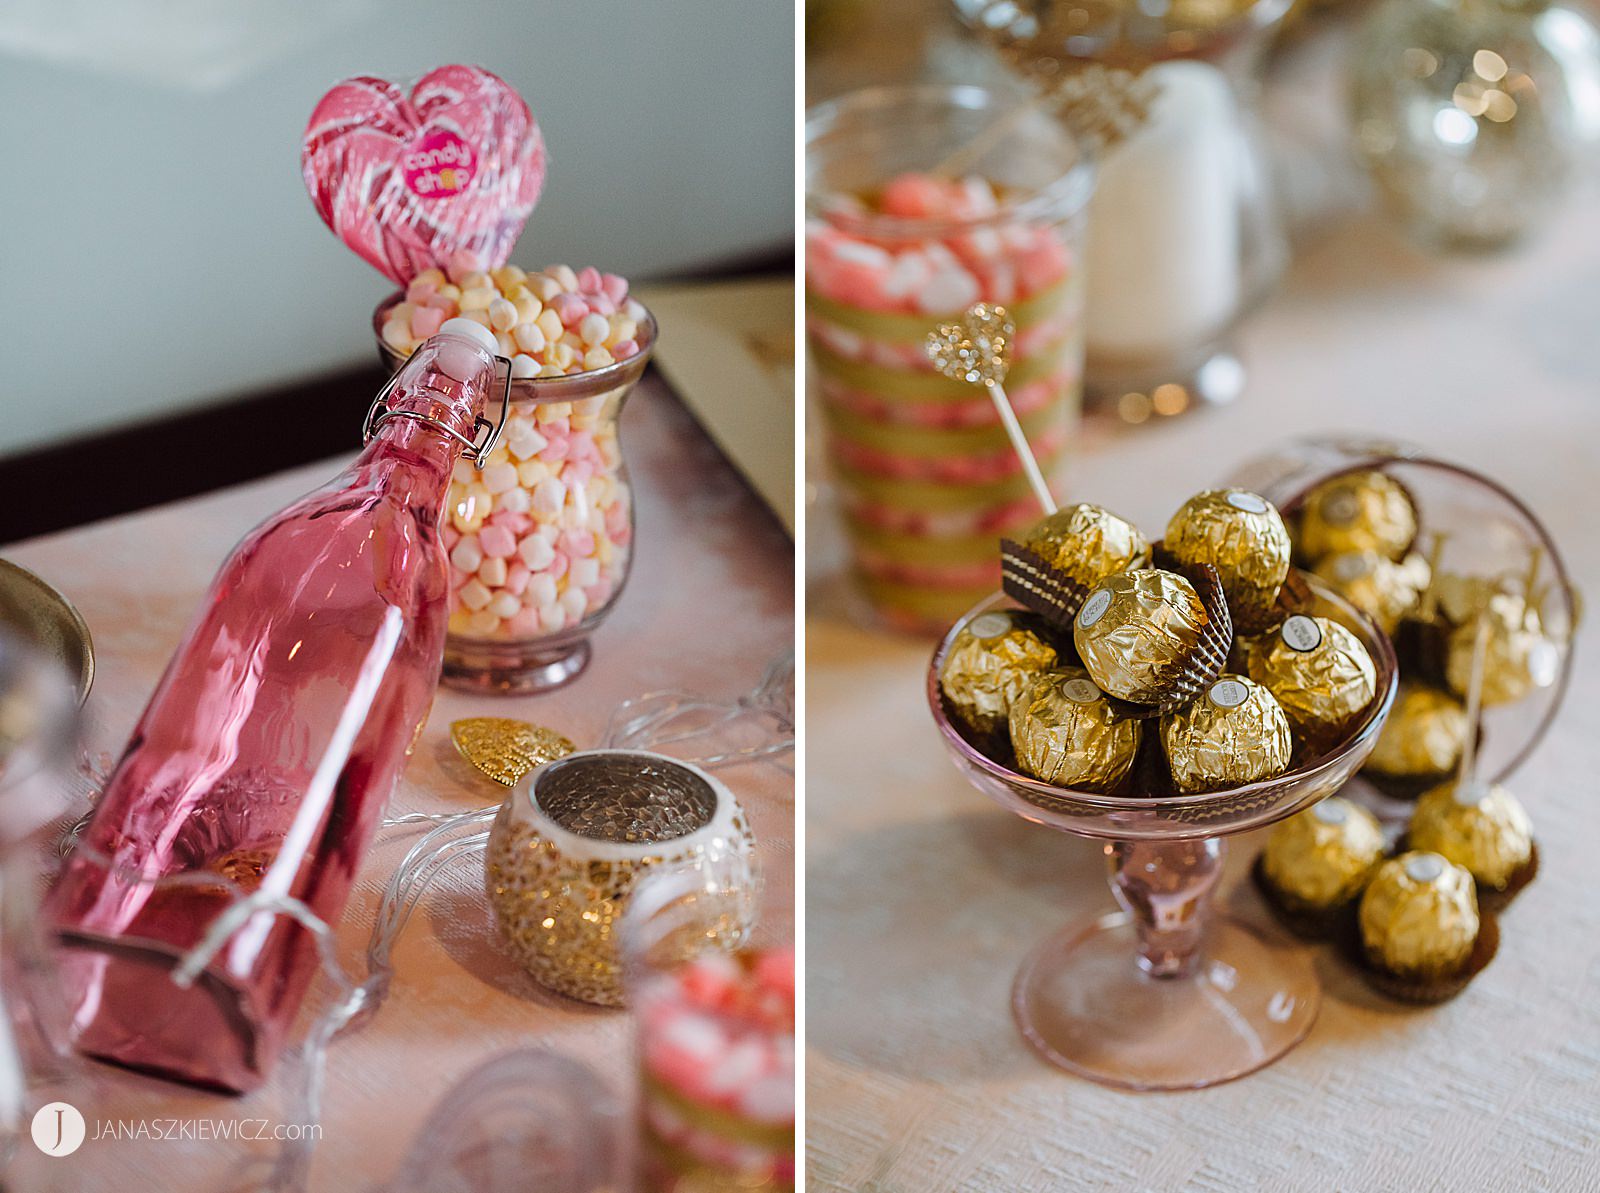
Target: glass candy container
(925, 476)
(546, 527)
(1167, 994)
(271, 746)
(1185, 233)
(1475, 116)
(715, 1012)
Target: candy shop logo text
(243, 1130)
(438, 165)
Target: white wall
(158, 250)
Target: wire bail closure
(475, 450)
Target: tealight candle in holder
(570, 844)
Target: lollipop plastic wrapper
(443, 174)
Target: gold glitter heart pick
(504, 749)
(978, 349)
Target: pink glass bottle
(272, 745)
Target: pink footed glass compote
(1167, 995)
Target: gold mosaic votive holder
(573, 840)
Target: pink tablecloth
(709, 605)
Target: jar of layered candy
(921, 201)
(715, 1012)
(540, 538)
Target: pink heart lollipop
(409, 182)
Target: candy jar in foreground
(540, 538)
(920, 202)
(272, 744)
(715, 1011)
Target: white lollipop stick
(977, 351)
(1469, 749)
(1020, 445)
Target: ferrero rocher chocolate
(1232, 735)
(1476, 825)
(1242, 536)
(1424, 735)
(1088, 543)
(1361, 511)
(1319, 672)
(1517, 659)
(1419, 917)
(991, 660)
(1378, 586)
(1320, 859)
(1139, 632)
(1066, 732)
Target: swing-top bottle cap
(472, 330)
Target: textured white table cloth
(709, 605)
(922, 898)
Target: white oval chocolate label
(989, 625)
(1332, 811)
(1080, 691)
(1094, 608)
(1351, 567)
(1471, 793)
(1301, 633)
(1248, 502)
(1544, 661)
(1424, 867)
(1228, 693)
(1341, 508)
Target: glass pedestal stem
(1166, 887)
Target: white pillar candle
(1164, 232)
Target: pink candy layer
(972, 469)
(994, 261)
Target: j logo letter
(58, 1129)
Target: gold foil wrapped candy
(1088, 543)
(1383, 589)
(1320, 859)
(1232, 735)
(987, 666)
(1066, 732)
(1517, 659)
(1419, 917)
(1424, 735)
(1139, 633)
(1319, 672)
(1361, 511)
(1476, 825)
(1243, 537)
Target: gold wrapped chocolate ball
(1476, 825)
(1361, 511)
(1419, 917)
(1381, 588)
(1518, 658)
(1232, 735)
(1088, 543)
(1320, 673)
(1320, 859)
(1065, 731)
(1139, 632)
(991, 660)
(1243, 537)
(1424, 735)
